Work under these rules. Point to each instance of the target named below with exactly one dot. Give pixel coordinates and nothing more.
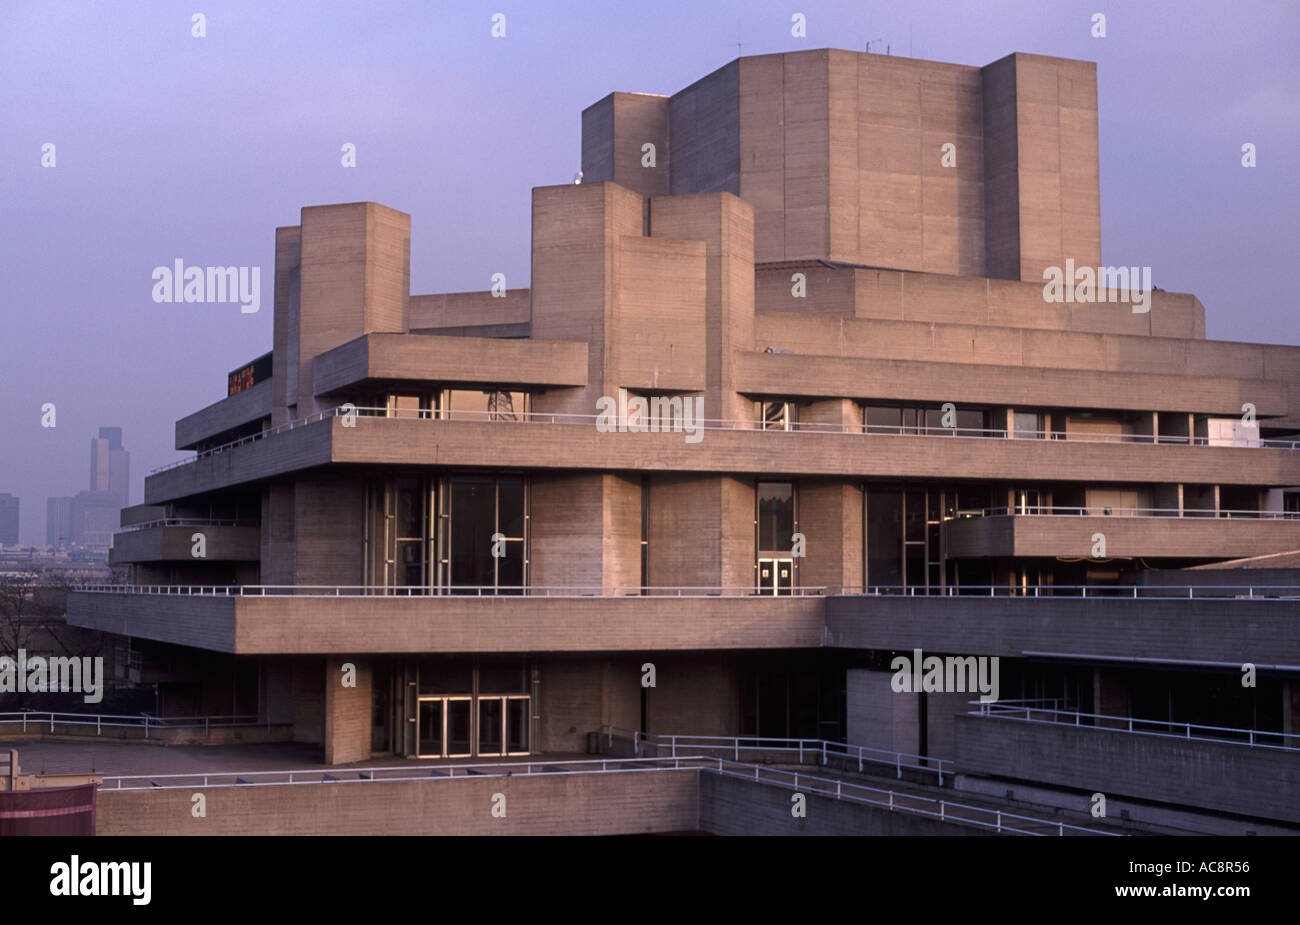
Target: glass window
(491, 717)
(503, 675)
(777, 415)
(971, 422)
(403, 406)
(775, 516)
(882, 419)
(489, 405)
(1028, 425)
(884, 536)
(487, 533)
(517, 725)
(473, 521)
(439, 675)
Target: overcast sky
(168, 145)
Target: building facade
(8, 519)
(59, 522)
(110, 464)
(787, 396)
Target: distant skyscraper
(110, 465)
(95, 518)
(8, 520)
(59, 522)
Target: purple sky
(173, 146)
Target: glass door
(430, 732)
(444, 727)
(460, 738)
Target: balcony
(252, 620)
(1226, 770)
(1195, 626)
(242, 408)
(1129, 532)
(173, 539)
(484, 360)
(572, 441)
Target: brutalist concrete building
(789, 396)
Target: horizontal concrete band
(1210, 631)
(233, 411)
(160, 544)
(1149, 537)
(491, 444)
(1217, 632)
(482, 360)
(975, 383)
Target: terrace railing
(1051, 712)
(895, 801)
(719, 424)
(1109, 592)
(819, 750)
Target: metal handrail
(40, 718)
(569, 418)
(896, 802)
(822, 749)
(1108, 592)
(297, 777)
(1103, 510)
(1024, 711)
(852, 791)
(188, 522)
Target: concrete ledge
(451, 359)
(170, 544)
(234, 411)
(1151, 537)
(1259, 782)
(540, 804)
(1217, 631)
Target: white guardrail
(894, 801)
(665, 424)
(1050, 712)
(821, 749)
(1117, 592)
(38, 719)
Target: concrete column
(941, 711)
(347, 710)
(725, 223)
(879, 717)
(830, 518)
(354, 280)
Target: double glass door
(775, 576)
(451, 727)
(444, 727)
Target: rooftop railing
(1103, 510)
(895, 801)
(39, 720)
(1124, 592)
(1050, 712)
(820, 750)
(188, 522)
(669, 424)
